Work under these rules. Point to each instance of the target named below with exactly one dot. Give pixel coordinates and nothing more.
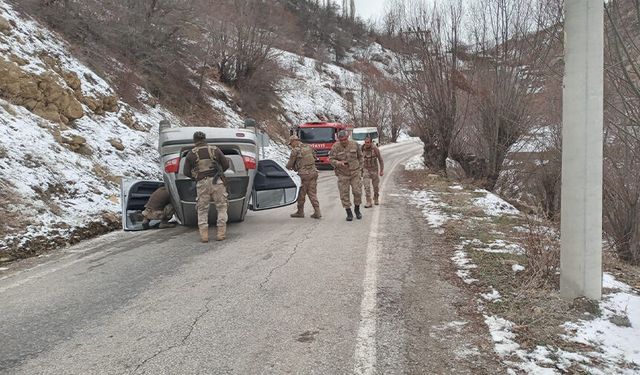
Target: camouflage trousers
(351, 182)
(209, 192)
(164, 215)
(371, 177)
(309, 188)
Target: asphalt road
(280, 296)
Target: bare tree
(370, 105)
(430, 66)
(512, 47)
(622, 137)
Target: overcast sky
(370, 8)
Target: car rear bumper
(235, 210)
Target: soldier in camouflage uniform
(303, 161)
(158, 207)
(373, 169)
(206, 164)
(346, 158)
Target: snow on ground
(29, 40)
(404, 137)
(493, 296)
(616, 332)
(52, 186)
(614, 335)
(278, 152)
(63, 188)
(416, 163)
(517, 268)
(314, 90)
(537, 140)
(464, 264)
(432, 208)
(494, 205)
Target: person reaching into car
(303, 161)
(158, 207)
(346, 158)
(373, 169)
(206, 164)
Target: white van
(359, 134)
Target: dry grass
(529, 298)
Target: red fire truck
(321, 136)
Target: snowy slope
(57, 177)
(313, 90)
(61, 172)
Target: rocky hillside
(67, 137)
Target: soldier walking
(158, 207)
(372, 171)
(346, 158)
(206, 164)
(303, 161)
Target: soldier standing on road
(303, 161)
(346, 159)
(372, 171)
(158, 207)
(206, 164)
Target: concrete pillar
(582, 150)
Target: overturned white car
(252, 183)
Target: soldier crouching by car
(206, 164)
(303, 161)
(158, 207)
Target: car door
(134, 194)
(273, 186)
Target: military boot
(221, 235)
(357, 211)
(204, 234)
(145, 224)
(369, 204)
(316, 213)
(376, 201)
(299, 213)
(349, 214)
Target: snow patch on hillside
(314, 89)
(416, 163)
(493, 205)
(52, 187)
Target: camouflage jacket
(159, 199)
(201, 162)
(302, 160)
(372, 158)
(351, 153)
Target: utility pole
(582, 150)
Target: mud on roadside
(15, 246)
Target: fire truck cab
(321, 136)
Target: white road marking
(365, 353)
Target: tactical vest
(207, 164)
(370, 158)
(306, 161)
